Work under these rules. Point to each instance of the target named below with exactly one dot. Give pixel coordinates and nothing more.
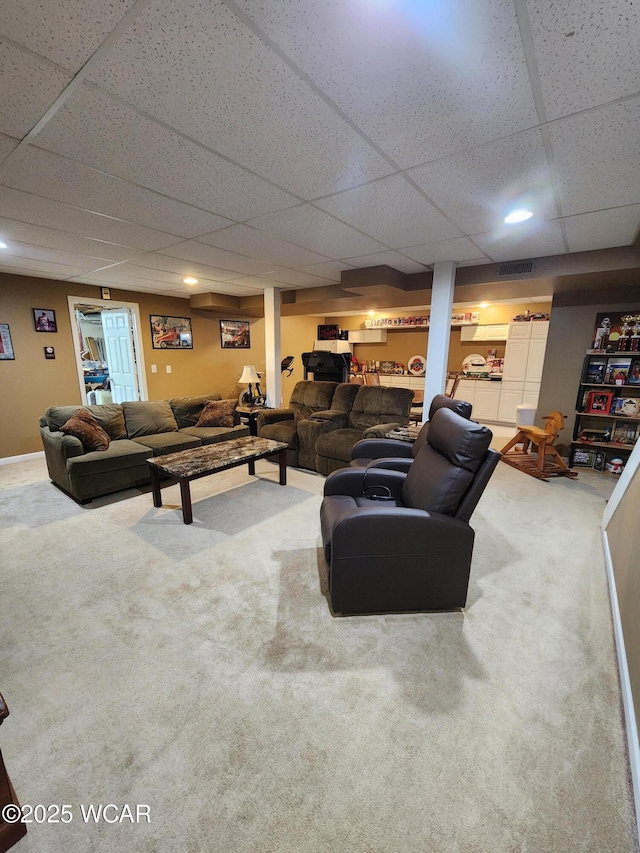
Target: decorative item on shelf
(617, 331)
(599, 402)
(251, 377)
(417, 365)
(634, 373)
(617, 371)
(625, 434)
(595, 436)
(615, 465)
(584, 458)
(625, 406)
(595, 371)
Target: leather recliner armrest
(377, 448)
(351, 481)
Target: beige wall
(30, 383)
(402, 344)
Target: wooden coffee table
(187, 465)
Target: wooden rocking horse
(547, 461)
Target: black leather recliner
(398, 455)
(412, 552)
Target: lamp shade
(249, 375)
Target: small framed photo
(49, 352)
(6, 346)
(618, 371)
(634, 372)
(170, 332)
(235, 334)
(599, 402)
(584, 458)
(44, 320)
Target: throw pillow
(217, 413)
(84, 426)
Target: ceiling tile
(497, 176)
(29, 87)
(329, 269)
(458, 250)
(41, 211)
(390, 259)
(173, 278)
(99, 131)
(37, 235)
(197, 68)
(421, 79)
(185, 268)
(390, 210)
(36, 273)
(513, 243)
(310, 227)
(64, 31)
(17, 264)
(56, 256)
(197, 252)
(46, 174)
(124, 283)
(587, 53)
(603, 229)
(7, 144)
(295, 277)
(258, 244)
(596, 158)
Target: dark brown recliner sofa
(413, 550)
(330, 401)
(398, 455)
(137, 431)
(375, 410)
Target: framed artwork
(49, 352)
(584, 458)
(6, 347)
(328, 332)
(599, 402)
(234, 334)
(44, 320)
(617, 371)
(634, 373)
(170, 332)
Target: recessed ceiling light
(518, 216)
(371, 313)
(484, 304)
(3, 245)
(190, 280)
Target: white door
(116, 327)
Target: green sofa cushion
(110, 417)
(187, 410)
(169, 442)
(119, 455)
(148, 418)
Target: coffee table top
(211, 457)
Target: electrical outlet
(154, 368)
(168, 368)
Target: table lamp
(250, 377)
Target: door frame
(136, 325)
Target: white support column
(272, 346)
(444, 277)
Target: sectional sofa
(137, 431)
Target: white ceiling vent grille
(519, 268)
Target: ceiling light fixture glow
(371, 313)
(520, 215)
(3, 245)
(484, 304)
(190, 280)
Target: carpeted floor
(198, 670)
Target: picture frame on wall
(6, 345)
(235, 334)
(170, 332)
(44, 320)
(599, 402)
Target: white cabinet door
(472, 333)
(510, 397)
(539, 328)
(519, 331)
(515, 360)
(496, 332)
(535, 360)
(487, 398)
(531, 393)
(467, 390)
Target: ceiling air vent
(520, 268)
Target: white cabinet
(487, 399)
(510, 397)
(466, 390)
(531, 393)
(515, 360)
(535, 360)
(490, 332)
(523, 363)
(539, 329)
(367, 336)
(519, 331)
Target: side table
(249, 415)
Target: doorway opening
(108, 349)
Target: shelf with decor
(607, 422)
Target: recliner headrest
(460, 407)
(464, 443)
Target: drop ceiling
(254, 144)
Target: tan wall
(30, 383)
(402, 344)
(623, 533)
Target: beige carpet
(198, 670)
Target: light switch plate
(154, 368)
(168, 368)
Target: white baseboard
(625, 682)
(9, 460)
